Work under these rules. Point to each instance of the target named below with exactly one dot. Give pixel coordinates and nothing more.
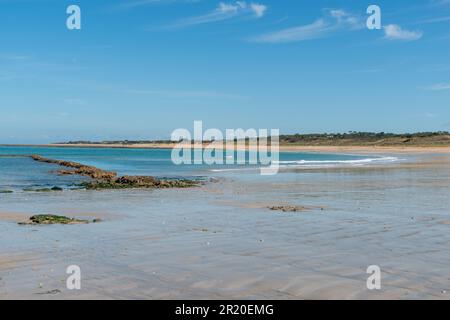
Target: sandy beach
(282, 148)
(221, 241)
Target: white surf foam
(358, 161)
(319, 163)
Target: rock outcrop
(102, 179)
(79, 169)
(52, 219)
(292, 208)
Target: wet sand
(13, 217)
(221, 242)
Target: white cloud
(334, 20)
(439, 87)
(241, 6)
(395, 32)
(74, 101)
(258, 9)
(224, 11)
(15, 57)
(314, 30)
(442, 2)
(345, 18)
(437, 20)
(229, 8)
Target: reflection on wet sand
(221, 241)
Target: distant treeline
(360, 135)
(438, 138)
(125, 142)
(368, 138)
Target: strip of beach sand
(283, 148)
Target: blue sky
(139, 69)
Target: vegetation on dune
(124, 142)
(352, 138)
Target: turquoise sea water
(221, 240)
(18, 172)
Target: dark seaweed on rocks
(52, 219)
(43, 189)
(103, 179)
(78, 168)
(290, 208)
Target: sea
(18, 172)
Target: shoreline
(283, 148)
(244, 248)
